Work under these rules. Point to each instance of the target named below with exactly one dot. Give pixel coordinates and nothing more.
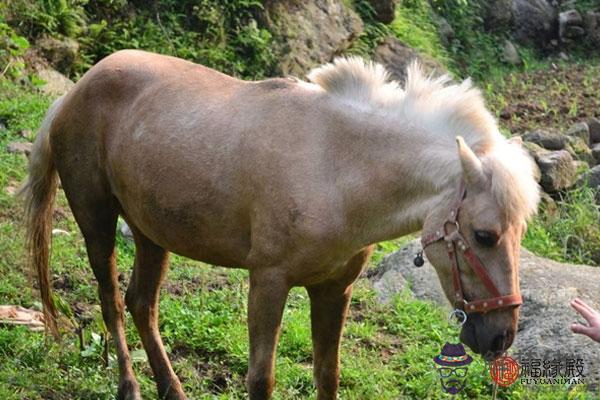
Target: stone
(547, 288)
(510, 54)
(593, 177)
(308, 34)
(594, 127)
(536, 152)
(384, 10)
(396, 56)
(56, 84)
(125, 230)
(579, 150)
(596, 153)
(591, 23)
(557, 169)
(497, 15)
(550, 139)
(445, 30)
(535, 22)
(60, 53)
(569, 24)
(580, 129)
(19, 148)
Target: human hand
(591, 316)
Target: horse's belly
(208, 231)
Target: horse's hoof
(129, 390)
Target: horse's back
(197, 160)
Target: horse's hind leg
(97, 218)
(150, 268)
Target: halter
(455, 243)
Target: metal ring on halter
(460, 315)
(455, 223)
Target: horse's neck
(393, 180)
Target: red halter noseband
(456, 242)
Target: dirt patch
(555, 97)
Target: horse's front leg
(328, 308)
(266, 301)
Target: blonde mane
(438, 108)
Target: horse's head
(480, 230)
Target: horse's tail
(38, 193)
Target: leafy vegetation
(223, 35)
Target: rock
(510, 53)
(125, 230)
(384, 10)
(396, 56)
(596, 153)
(497, 15)
(535, 22)
(445, 30)
(557, 169)
(535, 151)
(570, 25)
(56, 83)
(593, 177)
(60, 53)
(563, 56)
(579, 149)
(550, 139)
(307, 34)
(594, 127)
(547, 288)
(581, 130)
(19, 147)
(591, 23)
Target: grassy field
(387, 349)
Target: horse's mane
(443, 110)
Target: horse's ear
(471, 165)
(516, 140)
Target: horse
(294, 180)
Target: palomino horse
(291, 180)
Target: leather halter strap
(455, 243)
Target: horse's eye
(486, 238)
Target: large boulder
(535, 22)
(310, 33)
(55, 83)
(557, 169)
(547, 288)
(384, 10)
(396, 56)
(60, 53)
(570, 25)
(591, 23)
(497, 14)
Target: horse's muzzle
(489, 341)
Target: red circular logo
(504, 371)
